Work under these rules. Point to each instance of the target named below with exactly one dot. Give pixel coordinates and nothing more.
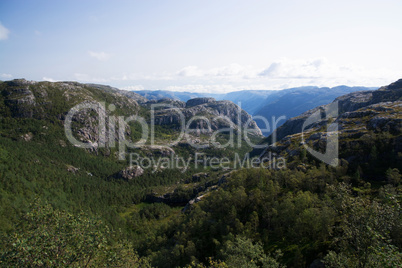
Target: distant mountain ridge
(174, 95)
(366, 120)
(267, 103)
(52, 101)
(221, 114)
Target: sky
(203, 46)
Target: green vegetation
(50, 237)
(65, 206)
(305, 215)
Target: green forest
(63, 206)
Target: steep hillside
(220, 114)
(293, 102)
(42, 100)
(195, 206)
(346, 103)
(267, 103)
(50, 103)
(37, 159)
(53, 101)
(366, 123)
(130, 94)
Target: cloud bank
(49, 79)
(280, 74)
(3, 32)
(102, 56)
(6, 76)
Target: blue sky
(205, 46)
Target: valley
(203, 187)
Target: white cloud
(134, 88)
(191, 71)
(232, 70)
(6, 76)
(3, 32)
(322, 72)
(200, 88)
(221, 88)
(102, 56)
(48, 79)
(311, 68)
(281, 74)
(303, 71)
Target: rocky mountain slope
(37, 158)
(251, 100)
(364, 122)
(175, 216)
(267, 103)
(30, 99)
(132, 95)
(216, 114)
(48, 104)
(51, 102)
(295, 101)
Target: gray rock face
(19, 98)
(165, 103)
(130, 94)
(212, 115)
(130, 173)
(156, 150)
(361, 115)
(198, 101)
(395, 85)
(348, 106)
(27, 137)
(72, 169)
(385, 124)
(53, 101)
(353, 101)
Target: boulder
(72, 169)
(131, 172)
(27, 137)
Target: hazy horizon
(206, 47)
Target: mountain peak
(395, 85)
(198, 101)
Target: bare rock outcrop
(207, 115)
(198, 101)
(131, 172)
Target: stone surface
(212, 115)
(198, 101)
(362, 115)
(132, 172)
